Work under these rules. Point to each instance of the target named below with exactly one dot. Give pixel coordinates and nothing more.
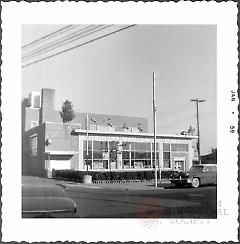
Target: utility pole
(87, 122)
(197, 101)
(154, 130)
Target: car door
(203, 175)
(199, 173)
(209, 175)
(214, 174)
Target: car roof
(201, 165)
(42, 191)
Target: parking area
(137, 200)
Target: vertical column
(151, 154)
(92, 151)
(80, 155)
(160, 146)
(108, 155)
(130, 155)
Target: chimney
(47, 105)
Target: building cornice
(127, 134)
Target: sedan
(201, 174)
(46, 201)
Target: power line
(175, 111)
(61, 30)
(172, 107)
(178, 121)
(82, 44)
(62, 41)
(67, 41)
(171, 110)
(54, 41)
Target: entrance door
(59, 164)
(179, 165)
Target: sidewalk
(114, 186)
(120, 186)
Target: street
(136, 200)
(102, 202)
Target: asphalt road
(94, 202)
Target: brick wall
(34, 165)
(47, 105)
(62, 140)
(47, 113)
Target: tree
(67, 113)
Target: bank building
(97, 141)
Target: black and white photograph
(120, 122)
(122, 141)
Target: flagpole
(154, 130)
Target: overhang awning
(129, 134)
(60, 152)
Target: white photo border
(14, 15)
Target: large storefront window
(87, 154)
(166, 156)
(100, 155)
(157, 154)
(126, 153)
(140, 155)
(168, 149)
(129, 155)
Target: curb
(127, 181)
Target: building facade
(94, 141)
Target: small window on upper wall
(33, 145)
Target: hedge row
(77, 176)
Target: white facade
(133, 151)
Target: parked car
(197, 175)
(46, 201)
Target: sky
(113, 75)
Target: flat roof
(128, 134)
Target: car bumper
(49, 214)
(181, 181)
(48, 207)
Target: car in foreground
(201, 174)
(46, 201)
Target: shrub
(134, 175)
(148, 175)
(140, 175)
(115, 175)
(99, 176)
(107, 175)
(77, 176)
(127, 175)
(166, 174)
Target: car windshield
(196, 169)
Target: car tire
(195, 182)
